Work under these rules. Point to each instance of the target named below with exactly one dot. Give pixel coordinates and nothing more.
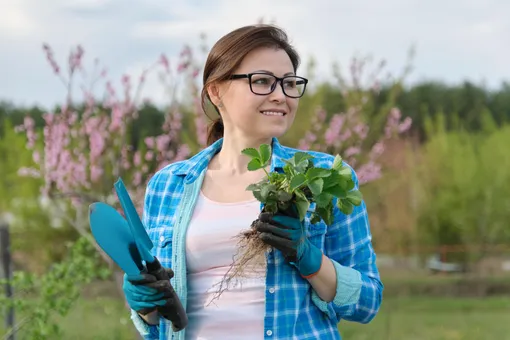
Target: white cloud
(455, 40)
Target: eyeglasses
(264, 84)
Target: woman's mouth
(273, 113)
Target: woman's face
(248, 115)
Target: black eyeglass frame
(273, 87)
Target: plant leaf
(323, 199)
(251, 152)
(302, 207)
(355, 197)
(288, 169)
(345, 172)
(300, 156)
(266, 189)
(326, 214)
(284, 196)
(349, 185)
(265, 154)
(333, 179)
(313, 173)
(271, 207)
(316, 218)
(336, 190)
(258, 196)
(316, 186)
(337, 163)
(297, 181)
(253, 186)
(345, 206)
(254, 164)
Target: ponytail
(215, 131)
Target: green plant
(302, 184)
(40, 299)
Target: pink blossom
(149, 141)
(95, 173)
(36, 156)
(162, 142)
(351, 151)
(368, 172)
(137, 158)
(51, 59)
(182, 153)
(405, 125)
(97, 145)
(377, 149)
(137, 178)
(164, 61)
(333, 132)
(149, 156)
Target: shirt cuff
(348, 290)
(145, 330)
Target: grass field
(427, 318)
(421, 318)
(417, 318)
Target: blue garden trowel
(127, 244)
(112, 233)
(144, 244)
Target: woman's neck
(230, 157)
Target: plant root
(250, 257)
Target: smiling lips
(274, 112)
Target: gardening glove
(145, 293)
(288, 234)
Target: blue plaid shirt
(293, 310)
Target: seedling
(300, 185)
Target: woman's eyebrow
(269, 72)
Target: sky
(454, 40)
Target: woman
(194, 208)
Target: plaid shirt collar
(193, 167)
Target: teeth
(270, 113)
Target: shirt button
(269, 332)
(271, 290)
(161, 238)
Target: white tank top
(210, 245)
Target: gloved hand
(145, 293)
(288, 234)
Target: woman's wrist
(152, 318)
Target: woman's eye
(261, 81)
(290, 83)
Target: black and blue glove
(288, 234)
(145, 293)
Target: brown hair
(228, 53)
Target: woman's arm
(151, 319)
(325, 281)
(354, 290)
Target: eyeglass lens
(293, 86)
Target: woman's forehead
(275, 61)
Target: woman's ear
(214, 94)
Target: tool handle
(177, 315)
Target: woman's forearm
(325, 281)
